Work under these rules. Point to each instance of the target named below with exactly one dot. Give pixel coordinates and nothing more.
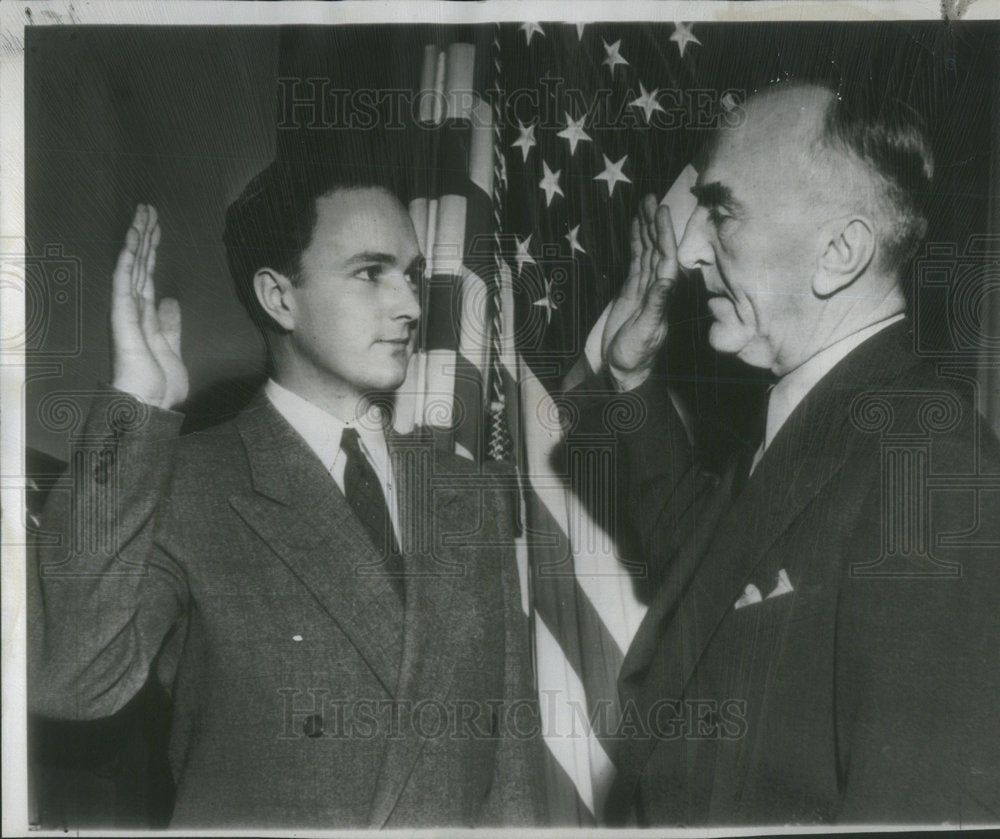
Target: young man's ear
(848, 251)
(273, 290)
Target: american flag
(538, 145)
(595, 116)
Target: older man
(823, 644)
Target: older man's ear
(848, 253)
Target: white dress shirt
(322, 432)
(793, 387)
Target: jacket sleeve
(635, 494)
(101, 596)
(517, 795)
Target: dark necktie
(364, 494)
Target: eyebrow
(372, 256)
(714, 194)
(387, 259)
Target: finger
(635, 267)
(142, 284)
(648, 212)
(666, 244)
(654, 305)
(647, 251)
(139, 222)
(154, 241)
(169, 313)
(121, 282)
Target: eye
(415, 275)
(371, 273)
(718, 216)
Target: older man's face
(755, 234)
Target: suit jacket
(869, 693)
(304, 693)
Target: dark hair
(888, 138)
(272, 221)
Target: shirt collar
(321, 430)
(792, 388)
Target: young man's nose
(404, 299)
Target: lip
(401, 342)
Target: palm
(637, 326)
(146, 338)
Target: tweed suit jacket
(229, 564)
(870, 691)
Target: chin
(386, 379)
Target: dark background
(183, 117)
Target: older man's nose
(694, 249)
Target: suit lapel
(435, 617)
(298, 510)
(804, 456)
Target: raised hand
(637, 323)
(145, 338)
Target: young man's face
(356, 303)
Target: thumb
(169, 315)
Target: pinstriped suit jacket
(870, 691)
(304, 693)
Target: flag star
(613, 173)
(579, 31)
(550, 183)
(525, 140)
(574, 132)
(683, 36)
(574, 242)
(647, 101)
(613, 57)
(523, 254)
(529, 29)
(547, 303)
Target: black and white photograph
(420, 417)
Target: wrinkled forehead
(771, 146)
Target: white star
(529, 29)
(579, 31)
(526, 139)
(683, 36)
(647, 101)
(546, 303)
(550, 183)
(613, 173)
(574, 244)
(522, 254)
(574, 132)
(613, 57)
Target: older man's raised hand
(637, 323)
(145, 338)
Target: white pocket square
(751, 594)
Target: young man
(823, 643)
(340, 649)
